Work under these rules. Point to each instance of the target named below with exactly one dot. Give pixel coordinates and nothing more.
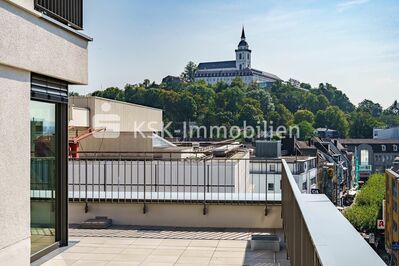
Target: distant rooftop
(217, 65)
(369, 141)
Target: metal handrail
(316, 233)
(202, 180)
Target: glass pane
(43, 175)
(364, 157)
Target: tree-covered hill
(283, 103)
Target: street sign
(380, 224)
(395, 245)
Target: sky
(352, 44)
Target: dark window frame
(61, 200)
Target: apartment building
(391, 214)
(42, 52)
(373, 155)
(386, 133)
(99, 124)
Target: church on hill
(227, 71)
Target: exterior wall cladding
(29, 43)
(392, 213)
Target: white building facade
(42, 52)
(227, 71)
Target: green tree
(304, 116)
(281, 116)
(293, 100)
(251, 115)
(315, 103)
(362, 124)
(335, 97)
(264, 98)
(189, 72)
(375, 109)
(220, 86)
(333, 118)
(306, 130)
(364, 211)
(204, 97)
(305, 86)
(113, 93)
(389, 120)
(231, 99)
(134, 94)
(237, 82)
(153, 97)
(186, 108)
(170, 108)
(226, 119)
(146, 83)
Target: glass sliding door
(44, 156)
(49, 164)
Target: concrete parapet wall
(181, 215)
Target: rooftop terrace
(175, 208)
(132, 245)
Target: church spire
(243, 33)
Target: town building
(327, 133)
(99, 124)
(386, 133)
(373, 155)
(42, 52)
(303, 168)
(171, 80)
(335, 166)
(227, 71)
(391, 214)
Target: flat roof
(368, 141)
(115, 101)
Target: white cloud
(349, 4)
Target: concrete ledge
(182, 215)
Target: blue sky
(353, 44)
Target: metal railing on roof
(166, 177)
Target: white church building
(227, 71)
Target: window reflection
(43, 175)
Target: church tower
(243, 54)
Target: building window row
(384, 147)
(228, 74)
(385, 157)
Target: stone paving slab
(162, 246)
